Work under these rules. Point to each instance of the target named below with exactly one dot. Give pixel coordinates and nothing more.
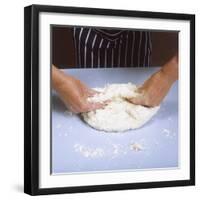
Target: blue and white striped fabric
(102, 48)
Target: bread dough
(119, 115)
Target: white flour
(88, 151)
(168, 134)
(136, 147)
(119, 114)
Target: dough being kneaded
(119, 115)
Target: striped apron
(106, 48)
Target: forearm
(73, 92)
(157, 86)
(58, 78)
(170, 69)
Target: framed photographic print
(109, 99)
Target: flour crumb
(118, 149)
(168, 133)
(89, 152)
(136, 147)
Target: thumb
(139, 100)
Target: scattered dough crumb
(136, 147)
(118, 149)
(168, 133)
(89, 152)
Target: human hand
(74, 93)
(154, 89)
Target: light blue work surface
(74, 143)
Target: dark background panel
(164, 46)
(63, 50)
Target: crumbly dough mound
(119, 115)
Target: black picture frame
(31, 98)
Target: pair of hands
(74, 93)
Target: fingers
(95, 106)
(85, 106)
(87, 92)
(91, 93)
(89, 106)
